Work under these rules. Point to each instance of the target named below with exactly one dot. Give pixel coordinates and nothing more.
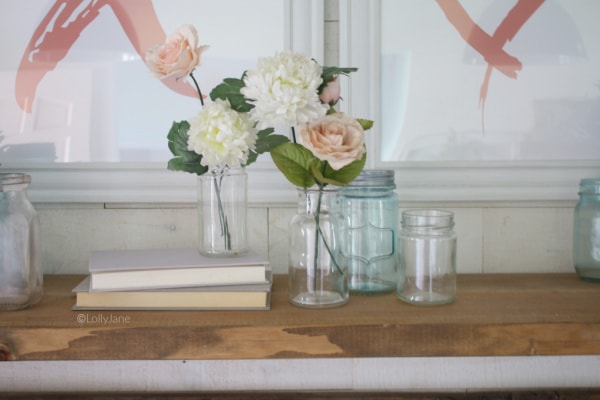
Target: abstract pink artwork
(64, 23)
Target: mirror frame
(462, 181)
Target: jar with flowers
(216, 144)
(327, 151)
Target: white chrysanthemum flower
(223, 136)
(283, 89)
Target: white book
(172, 268)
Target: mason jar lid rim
(374, 177)
(14, 178)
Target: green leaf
(320, 176)
(230, 89)
(365, 123)
(179, 164)
(294, 161)
(264, 143)
(184, 160)
(344, 175)
(331, 72)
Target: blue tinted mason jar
(586, 231)
(369, 207)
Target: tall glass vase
(317, 268)
(222, 207)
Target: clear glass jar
(21, 273)
(317, 275)
(427, 249)
(369, 206)
(586, 231)
(222, 209)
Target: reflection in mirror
(74, 86)
(490, 80)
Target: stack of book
(158, 279)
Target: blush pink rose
(330, 93)
(336, 138)
(178, 56)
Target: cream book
(232, 297)
(173, 268)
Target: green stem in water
(320, 234)
(222, 218)
(317, 219)
(198, 89)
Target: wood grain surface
(494, 315)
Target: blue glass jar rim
(374, 177)
(589, 186)
(8, 179)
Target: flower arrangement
(221, 135)
(292, 89)
(327, 147)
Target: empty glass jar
(369, 206)
(586, 231)
(21, 274)
(427, 249)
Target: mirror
(489, 80)
(537, 134)
(98, 122)
(74, 86)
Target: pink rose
(178, 56)
(330, 93)
(336, 138)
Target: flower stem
(293, 134)
(316, 255)
(198, 89)
(222, 218)
(320, 234)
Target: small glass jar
(369, 206)
(21, 273)
(222, 209)
(586, 231)
(427, 249)
(318, 274)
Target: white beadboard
(498, 238)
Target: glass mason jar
(317, 275)
(586, 231)
(21, 273)
(222, 208)
(369, 206)
(427, 248)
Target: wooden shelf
(494, 315)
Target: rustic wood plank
(494, 315)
